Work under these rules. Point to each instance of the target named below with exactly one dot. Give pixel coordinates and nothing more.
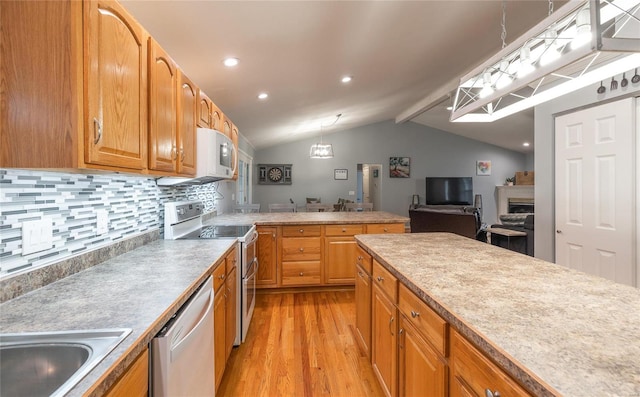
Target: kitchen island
(554, 330)
(310, 249)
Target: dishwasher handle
(205, 297)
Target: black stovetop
(219, 231)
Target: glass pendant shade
(321, 151)
(582, 43)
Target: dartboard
(275, 174)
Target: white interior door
(595, 183)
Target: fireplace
(520, 205)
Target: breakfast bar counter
(301, 218)
(554, 330)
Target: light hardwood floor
(300, 344)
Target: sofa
(464, 221)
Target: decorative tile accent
(135, 205)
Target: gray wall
(432, 152)
(544, 158)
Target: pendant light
(578, 45)
(323, 150)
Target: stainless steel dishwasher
(182, 353)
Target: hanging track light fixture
(323, 150)
(582, 43)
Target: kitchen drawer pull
(301, 230)
(301, 274)
(385, 230)
(391, 322)
(380, 278)
(97, 131)
(301, 249)
(489, 393)
(415, 314)
(344, 230)
(360, 258)
(221, 277)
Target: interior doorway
(368, 177)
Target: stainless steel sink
(51, 363)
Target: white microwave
(216, 159)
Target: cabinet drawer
(432, 327)
(363, 259)
(385, 280)
(381, 228)
(301, 231)
(301, 249)
(219, 275)
(301, 273)
(473, 371)
(343, 230)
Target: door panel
(594, 191)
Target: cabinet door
(216, 118)
(116, 87)
(231, 308)
(205, 106)
(135, 381)
(187, 109)
(420, 371)
(363, 310)
(234, 139)
(163, 83)
(219, 337)
(384, 342)
(339, 261)
(226, 126)
(267, 257)
(473, 374)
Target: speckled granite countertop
(558, 331)
(140, 289)
(300, 218)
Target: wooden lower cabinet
(135, 381)
(473, 374)
(339, 254)
(267, 257)
(384, 341)
(300, 273)
(231, 315)
(421, 372)
(363, 310)
(219, 331)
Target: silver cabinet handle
(380, 278)
(97, 131)
(385, 230)
(301, 230)
(301, 249)
(489, 393)
(415, 314)
(182, 155)
(400, 345)
(301, 274)
(174, 152)
(360, 257)
(391, 322)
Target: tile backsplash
(134, 204)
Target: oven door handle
(254, 267)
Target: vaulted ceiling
(398, 52)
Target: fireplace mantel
(507, 192)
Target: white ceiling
(397, 51)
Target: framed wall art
(483, 167)
(399, 167)
(341, 174)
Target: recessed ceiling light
(526, 144)
(346, 79)
(263, 95)
(449, 107)
(230, 62)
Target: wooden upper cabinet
(163, 84)
(187, 114)
(116, 87)
(234, 139)
(205, 108)
(226, 126)
(216, 117)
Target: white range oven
(183, 220)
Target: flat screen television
(452, 190)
